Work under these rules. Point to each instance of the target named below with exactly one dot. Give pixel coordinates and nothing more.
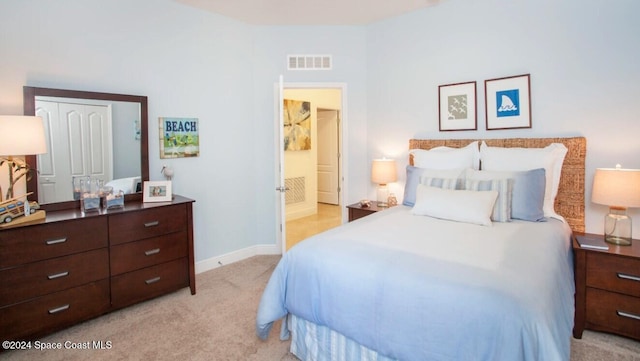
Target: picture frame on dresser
(508, 102)
(156, 191)
(457, 108)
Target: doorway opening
(314, 177)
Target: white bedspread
(417, 288)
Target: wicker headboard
(570, 200)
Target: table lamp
(383, 171)
(619, 189)
(19, 136)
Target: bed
(433, 280)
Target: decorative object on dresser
(157, 191)
(383, 171)
(76, 266)
(457, 106)
(508, 102)
(619, 189)
(607, 288)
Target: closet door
(89, 138)
(79, 143)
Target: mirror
(123, 142)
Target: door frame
(279, 164)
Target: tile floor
(328, 216)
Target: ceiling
(309, 12)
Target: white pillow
(517, 159)
(447, 157)
(455, 205)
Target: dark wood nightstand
(607, 288)
(356, 211)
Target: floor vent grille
(309, 62)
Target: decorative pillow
(527, 197)
(415, 174)
(518, 159)
(447, 157)
(455, 205)
(504, 187)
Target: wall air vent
(309, 62)
(296, 192)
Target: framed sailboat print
(508, 102)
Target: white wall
(582, 57)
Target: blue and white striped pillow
(444, 183)
(504, 187)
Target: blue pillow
(528, 195)
(411, 184)
(414, 175)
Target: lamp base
(617, 227)
(382, 195)
(618, 240)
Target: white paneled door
(79, 143)
(328, 156)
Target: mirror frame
(30, 94)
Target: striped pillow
(504, 187)
(444, 183)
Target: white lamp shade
(616, 187)
(21, 135)
(383, 171)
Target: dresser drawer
(147, 223)
(149, 282)
(610, 273)
(613, 312)
(148, 252)
(41, 278)
(43, 241)
(54, 311)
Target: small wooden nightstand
(607, 288)
(355, 211)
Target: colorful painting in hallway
(297, 125)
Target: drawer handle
(56, 241)
(58, 275)
(59, 309)
(628, 277)
(152, 280)
(152, 252)
(152, 224)
(628, 315)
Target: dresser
(607, 288)
(75, 266)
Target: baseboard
(235, 256)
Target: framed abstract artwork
(457, 106)
(508, 102)
(297, 125)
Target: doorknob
(282, 189)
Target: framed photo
(508, 102)
(156, 191)
(457, 106)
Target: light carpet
(218, 323)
